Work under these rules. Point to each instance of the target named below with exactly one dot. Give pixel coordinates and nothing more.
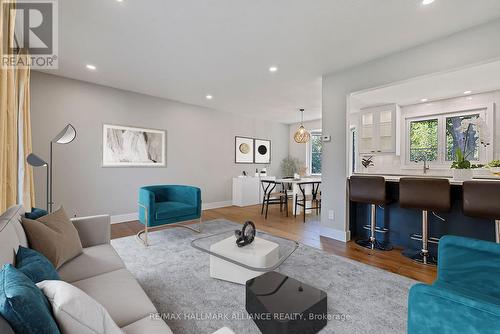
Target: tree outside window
(424, 140)
(455, 138)
(316, 149)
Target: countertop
(396, 177)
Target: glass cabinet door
(367, 133)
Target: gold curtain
(8, 116)
(14, 103)
(23, 88)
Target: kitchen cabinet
(377, 129)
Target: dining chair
(274, 193)
(302, 198)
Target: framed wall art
(262, 151)
(244, 150)
(126, 146)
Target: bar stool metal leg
(372, 242)
(423, 256)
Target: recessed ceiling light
(467, 92)
(273, 69)
(91, 67)
(469, 97)
(119, 0)
(209, 97)
(427, 2)
(424, 100)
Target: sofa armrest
(146, 206)
(467, 262)
(434, 309)
(94, 230)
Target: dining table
(294, 183)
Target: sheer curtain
(16, 178)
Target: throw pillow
(34, 265)
(35, 213)
(23, 305)
(54, 236)
(77, 312)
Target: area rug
(361, 298)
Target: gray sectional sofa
(99, 272)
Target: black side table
(280, 304)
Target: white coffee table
(239, 264)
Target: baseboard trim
(332, 233)
(128, 217)
(216, 205)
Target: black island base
(280, 304)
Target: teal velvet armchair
(465, 298)
(168, 204)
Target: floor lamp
(66, 136)
(35, 161)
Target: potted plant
(291, 166)
(494, 167)
(462, 170)
(461, 166)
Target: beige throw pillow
(77, 312)
(54, 236)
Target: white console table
(247, 190)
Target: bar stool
(370, 190)
(426, 194)
(481, 199)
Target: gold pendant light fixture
(301, 136)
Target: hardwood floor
(293, 228)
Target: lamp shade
(66, 136)
(35, 161)
(301, 136)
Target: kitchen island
(404, 222)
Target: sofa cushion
(147, 325)
(77, 312)
(11, 234)
(93, 261)
(166, 210)
(23, 305)
(34, 265)
(54, 236)
(120, 294)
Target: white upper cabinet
(378, 130)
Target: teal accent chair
(168, 204)
(465, 298)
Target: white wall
(390, 163)
(299, 151)
(200, 145)
(468, 47)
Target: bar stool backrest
(367, 189)
(431, 194)
(481, 199)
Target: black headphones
(246, 235)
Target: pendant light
(301, 136)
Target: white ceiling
(476, 79)
(185, 49)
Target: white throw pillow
(77, 312)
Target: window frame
(485, 153)
(319, 133)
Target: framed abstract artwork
(243, 148)
(126, 146)
(262, 151)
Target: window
(460, 134)
(424, 140)
(436, 138)
(315, 152)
